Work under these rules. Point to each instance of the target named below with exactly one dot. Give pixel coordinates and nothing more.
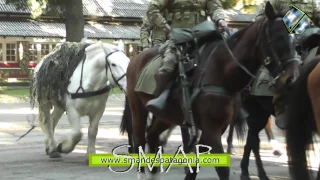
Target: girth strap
(91, 93)
(209, 89)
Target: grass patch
(116, 90)
(16, 91)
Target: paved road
(26, 158)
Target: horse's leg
(54, 118)
(257, 120)
(69, 144)
(212, 137)
(163, 138)
(245, 159)
(256, 151)
(318, 174)
(94, 119)
(185, 141)
(192, 176)
(139, 123)
(230, 139)
(157, 127)
(273, 141)
(211, 134)
(47, 127)
(130, 141)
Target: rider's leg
(164, 76)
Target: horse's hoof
(277, 153)
(141, 176)
(153, 176)
(47, 151)
(245, 177)
(225, 178)
(55, 154)
(186, 170)
(264, 177)
(230, 151)
(59, 148)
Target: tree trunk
(74, 20)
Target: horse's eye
(113, 64)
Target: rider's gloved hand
(222, 25)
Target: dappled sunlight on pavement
(18, 156)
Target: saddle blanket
(146, 82)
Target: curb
(26, 99)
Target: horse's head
(277, 46)
(116, 65)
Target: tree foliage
(228, 4)
(40, 7)
(70, 10)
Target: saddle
(190, 40)
(200, 34)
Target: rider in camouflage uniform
(169, 14)
(157, 35)
(261, 86)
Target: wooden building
(24, 41)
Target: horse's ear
(269, 11)
(121, 45)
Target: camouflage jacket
(183, 13)
(310, 7)
(145, 33)
(157, 36)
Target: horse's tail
(300, 120)
(126, 122)
(239, 121)
(240, 125)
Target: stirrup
(157, 106)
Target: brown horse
(303, 114)
(224, 69)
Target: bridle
(272, 62)
(108, 66)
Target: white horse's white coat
(95, 77)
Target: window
(33, 54)
(45, 49)
(53, 46)
(11, 52)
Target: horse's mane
(237, 35)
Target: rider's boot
(163, 80)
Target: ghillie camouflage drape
(52, 79)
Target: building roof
(57, 30)
(98, 8)
(117, 8)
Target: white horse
(103, 64)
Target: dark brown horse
(269, 132)
(225, 68)
(303, 114)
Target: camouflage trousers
(170, 56)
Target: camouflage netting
(52, 79)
